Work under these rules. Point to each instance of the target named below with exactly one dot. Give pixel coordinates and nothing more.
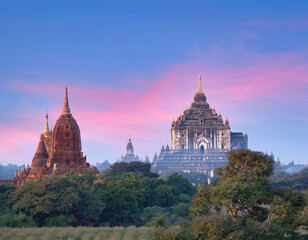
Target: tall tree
(243, 185)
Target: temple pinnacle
(46, 130)
(199, 85)
(66, 109)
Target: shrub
(11, 219)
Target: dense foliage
(77, 233)
(57, 201)
(127, 194)
(297, 181)
(118, 199)
(135, 167)
(244, 203)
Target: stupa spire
(199, 85)
(41, 149)
(46, 130)
(129, 146)
(66, 109)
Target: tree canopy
(134, 166)
(54, 197)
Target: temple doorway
(202, 149)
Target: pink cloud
(17, 144)
(108, 115)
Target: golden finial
(46, 130)
(199, 85)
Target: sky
(133, 66)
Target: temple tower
(39, 159)
(129, 147)
(200, 139)
(66, 141)
(47, 135)
(129, 156)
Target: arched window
(67, 135)
(67, 144)
(202, 149)
(222, 146)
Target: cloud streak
(107, 115)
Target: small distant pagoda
(129, 156)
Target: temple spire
(129, 147)
(66, 109)
(199, 85)
(46, 130)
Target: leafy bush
(213, 227)
(5, 191)
(54, 197)
(58, 221)
(11, 219)
(82, 233)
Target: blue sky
(131, 66)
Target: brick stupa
(58, 152)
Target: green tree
(85, 181)
(5, 191)
(134, 166)
(181, 184)
(202, 201)
(56, 196)
(121, 205)
(214, 227)
(243, 192)
(300, 180)
(297, 181)
(166, 196)
(243, 185)
(128, 193)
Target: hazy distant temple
(200, 139)
(58, 152)
(130, 155)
